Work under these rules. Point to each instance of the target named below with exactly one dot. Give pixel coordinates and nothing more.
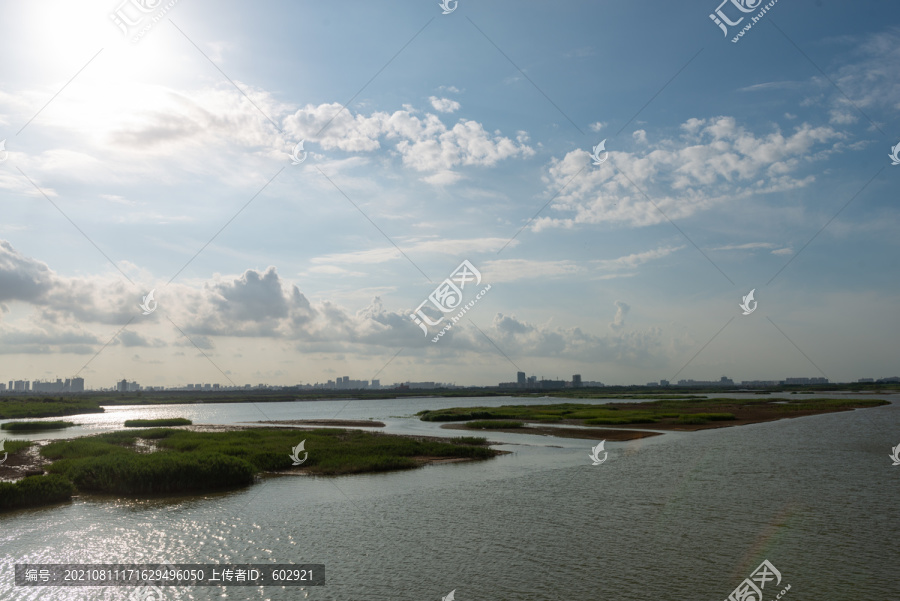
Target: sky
(162, 154)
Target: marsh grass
(35, 426)
(14, 446)
(188, 461)
(671, 411)
(35, 490)
(18, 407)
(494, 423)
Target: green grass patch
(611, 421)
(185, 461)
(495, 424)
(14, 446)
(154, 423)
(24, 407)
(33, 491)
(670, 411)
(33, 426)
(471, 440)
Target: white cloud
(618, 322)
(444, 105)
(713, 161)
(747, 246)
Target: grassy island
(668, 414)
(169, 461)
(35, 426)
(22, 407)
(157, 423)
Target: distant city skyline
(345, 383)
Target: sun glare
(66, 31)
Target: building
(420, 385)
(866, 380)
(888, 380)
(804, 381)
(58, 386)
(758, 383)
(122, 386)
(520, 379)
(552, 384)
(576, 381)
(21, 386)
(531, 382)
(723, 381)
(663, 382)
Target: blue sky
(761, 164)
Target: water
(678, 516)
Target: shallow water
(678, 516)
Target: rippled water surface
(678, 516)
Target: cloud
(642, 348)
(453, 247)
(747, 246)
(424, 144)
(510, 270)
(711, 162)
(618, 322)
(444, 105)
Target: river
(678, 516)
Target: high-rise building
(576, 381)
(122, 386)
(77, 385)
(520, 379)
